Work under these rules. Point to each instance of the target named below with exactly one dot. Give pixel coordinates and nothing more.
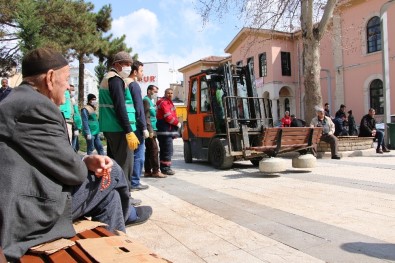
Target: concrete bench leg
(304, 161)
(272, 165)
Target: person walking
(141, 125)
(167, 125)
(90, 125)
(151, 163)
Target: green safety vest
(77, 117)
(108, 121)
(93, 120)
(65, 108)
(152, 112)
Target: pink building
(351, 62)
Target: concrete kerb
(356, 153)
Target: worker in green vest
(67, 111)
(77, 121)
(91, 129)
(151, 162)
(117, 118)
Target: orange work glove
(133, 141)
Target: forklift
(225, 117)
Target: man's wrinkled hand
(89, 137)
(98, 164)
(151, 135)
(133, 141)
(76, 133)
(179, 125)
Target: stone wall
(348, 143)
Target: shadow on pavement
(383, 251)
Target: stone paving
(339, 211)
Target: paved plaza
(340, 211)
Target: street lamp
(386, 73)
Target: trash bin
(391, 134)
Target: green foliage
(100, 71)
(30, 23)
(69, 26)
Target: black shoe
(143, 214)
(385, 149)
(139, 187)
(336, 157)
(168, 171)
(379, 151)
(134, 201)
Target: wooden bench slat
(28, 258)
(88, 234)
(103, 232)
(61, 256)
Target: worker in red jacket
(168, 126)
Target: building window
(376, 96)
(373, 35)
(286, 63)
(262, 65)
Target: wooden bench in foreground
(288, 139)
(69, 255)
(75, 254)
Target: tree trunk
(312, 69)
(81, 88)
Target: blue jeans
(110, 206)
(380, 139)
(74, 143)
(94, 143)
(139, 156)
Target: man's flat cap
(41, 60)
(122, 57)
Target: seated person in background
(295, 122)
(286, 120)
(340, 125)
(45, 184)
(341, 111)
(327, 132)
(327, 112)
(352, 127)
(368, 129)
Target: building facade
(350, 57)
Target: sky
(168, 30)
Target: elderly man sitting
(327, 132)
(44, 184)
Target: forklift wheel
(218, 156)
(187, 152)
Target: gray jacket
(38, 170)
(328, 128)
